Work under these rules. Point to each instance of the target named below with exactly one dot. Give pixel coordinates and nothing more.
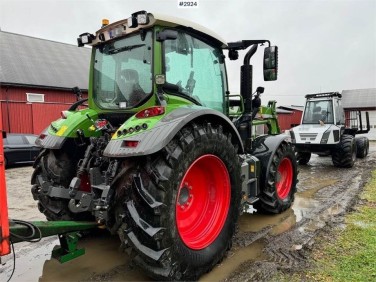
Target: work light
(142, 18)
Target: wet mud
(263, 244)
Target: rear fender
(264, 148)
(154, 139)
(56, 134)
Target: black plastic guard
(51, 142)
(264, 148)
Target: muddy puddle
(323, 193)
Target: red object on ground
(4, 223)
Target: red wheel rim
(284, 178)
(203, 202)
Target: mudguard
(154, 139)
(264, 148)
(54, 136)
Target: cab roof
(120, 28)
(166, 20)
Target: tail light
(100, 123)
(64, 114)
(151, 112)
(42, 136)
(130, 143)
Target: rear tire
(345, 153)
(280, 181)
(182, 215)
(57, 167)
(362, 147)
(303, 157)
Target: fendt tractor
(326, 130)
(156, 156)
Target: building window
(35, 98)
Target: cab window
(198, 70)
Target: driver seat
(130, 87)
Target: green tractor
(160, 156)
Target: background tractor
(326, 131)
(158, 157)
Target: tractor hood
(315, 134)
(311, 128)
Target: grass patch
(350, 254)
(346, 254)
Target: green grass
(350, 254)
(345, 254)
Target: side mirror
(270, 63)
(167, 34)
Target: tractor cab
(145, 61)
(148, 60)
(324, 109)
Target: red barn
(36, 80)
(289, 116)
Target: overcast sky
(323, 45)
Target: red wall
(288, 120)
(19, 116)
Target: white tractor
(326, 130)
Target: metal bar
(47, 228)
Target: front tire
(188, 200)
(345, 153)
(279, 181)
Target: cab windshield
(316, 111)
(123, 72)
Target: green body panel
(151, 122)
(268, 116)
(68, 248)
(157, 58)
(75, 120)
